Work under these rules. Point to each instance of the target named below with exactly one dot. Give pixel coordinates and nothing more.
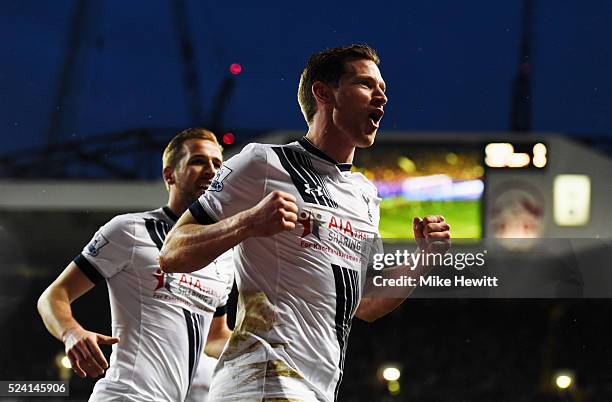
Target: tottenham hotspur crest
(367, 202)
(217, 183)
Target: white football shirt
(198, 392)
(298, 289)
(162, 319)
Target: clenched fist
(274, 214)
(432, 233)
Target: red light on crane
(228, 138)
(235, 68)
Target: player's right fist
(277, 212)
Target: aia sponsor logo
(169, 282)
(311, 222)
(337, 225)
(345, 227)
(163, 280)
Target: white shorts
(252, 378)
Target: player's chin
(195, 194)
(367, 139)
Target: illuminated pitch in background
(425, 180)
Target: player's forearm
(190, 247)
(377, 304)
(380, 301)
(372, 309)
(54, 308)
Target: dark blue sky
(448, 65)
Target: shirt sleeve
(220, 311)
(237, 186)
(109, 251)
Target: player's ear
(322, 92)
(168, 174)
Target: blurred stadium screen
(445, 179)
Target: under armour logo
(318, 191)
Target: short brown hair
(175, 151)
(328, 66)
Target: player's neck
(330, 140)
(176, 204)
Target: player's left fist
(432, 233)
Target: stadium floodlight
(62, 361)
(66, 362)
(520, 155)
(391, 373)
(63, 366)
(393, 387)
(497, 154)
(563, 381)
(539, 155)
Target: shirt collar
(310, 147)
(170, 214)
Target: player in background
(300, 220)
(160, 322)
